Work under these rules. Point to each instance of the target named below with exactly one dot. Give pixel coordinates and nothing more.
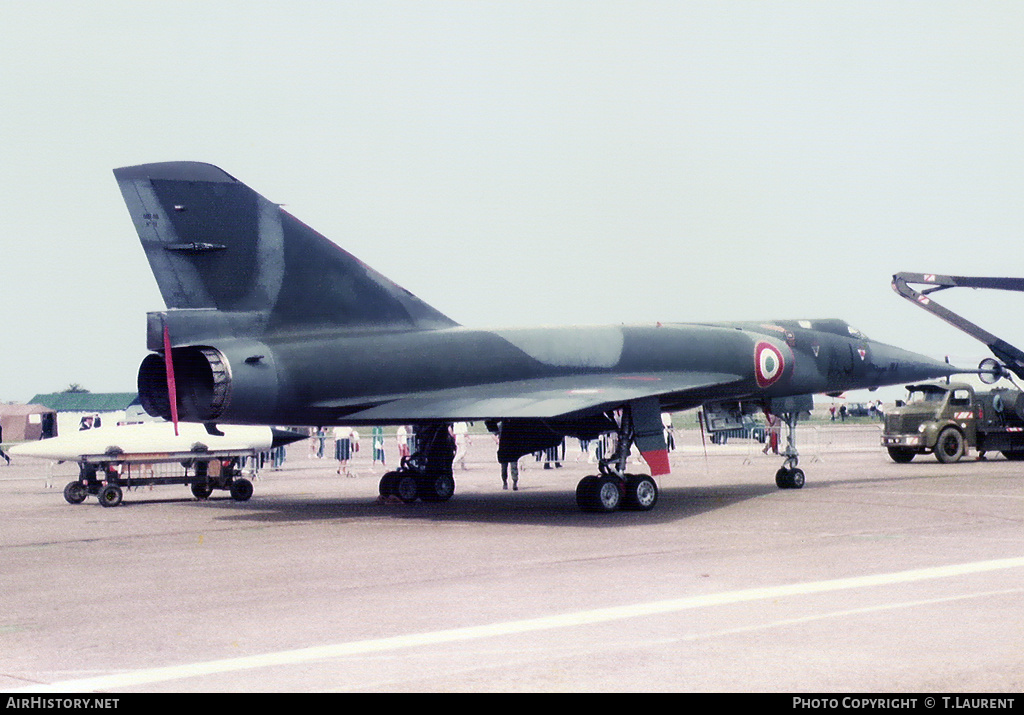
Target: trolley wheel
(201, 490)
(75, 493)
(241, 489)
(111, 495)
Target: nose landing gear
(789, 475)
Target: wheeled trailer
(107, 481)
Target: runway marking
(943, 495)
(566, 620)
(693, 637)
(848, 612)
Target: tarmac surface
(875, 577)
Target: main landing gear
(427, 474)
(609, 492)
(613, 489)
(789, 475)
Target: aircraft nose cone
(281, 437)
(899, 365)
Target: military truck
(948, 419)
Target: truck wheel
(950, 446)
(901, 455)
(1014, 456)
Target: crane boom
(1011, 356)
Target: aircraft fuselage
(325, 377)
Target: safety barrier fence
(813, 441)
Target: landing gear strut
(427, 474)
(789, 475)
(613, 489)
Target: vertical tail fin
(214, 243)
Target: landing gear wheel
(387, 484)
(75, 493)
(640, 493)
(789, 478)
(796, 478)
(609, 494)
(201, 490)
(111, 495)
(438, 489)
(406, 488)
(241, 489)
(599, 494)
(950, 446)
(584, 492)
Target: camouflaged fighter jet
(268, 322)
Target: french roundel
(768, 364)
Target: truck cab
(948, 419)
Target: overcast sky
(524, 163)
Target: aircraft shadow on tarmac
(549, 507)
(526, 506)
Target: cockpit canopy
(834, 326)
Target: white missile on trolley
(105, 456)
(157, 442)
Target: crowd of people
(346, 444)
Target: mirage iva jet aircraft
(268, 322)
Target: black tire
(111, 495)
(641, 493)
(607, 494)
(437, 489)
(901, 455)
(796, 478)
(1014, 455)
(782, 478)
(201, 490)
(949, 447)
(387, 484)
(406, 488)
(585, 493)
(789, 478)
(241, 490)
(75, 493)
